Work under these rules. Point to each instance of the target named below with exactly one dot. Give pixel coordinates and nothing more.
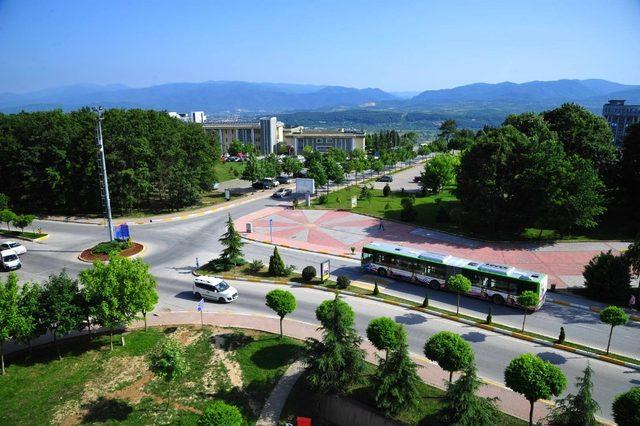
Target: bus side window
(499, 285)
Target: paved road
(173, 247)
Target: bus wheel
(497, 299)
(435, 284)
(382, 272)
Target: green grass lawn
(225, 171)
(16, 233)
(94, 385)
(303, 401)
(440, 211)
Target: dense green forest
(48, 161)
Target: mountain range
(482, 103)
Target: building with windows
(323, 140)
(620, 117)
(192, 117)
(263, 134)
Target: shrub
(255, 266)
(276, 265)
(289, 270)
(442, 215)
(343, 282)
(323, 199)
(111, 246)
(626, 407)
(386, 191)
(221, 414)
(408, 212)
(308, 273)
(607, 277)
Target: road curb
(450, 317)
(33, 240)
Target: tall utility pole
(102, 167)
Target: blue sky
(394, 45)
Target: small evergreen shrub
(343, 282)
(308, 273)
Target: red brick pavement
(337, 231)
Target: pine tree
(232, 253)
(579, 409)
(396, 381)
(337, 361)
(464, 407)
(276, 265)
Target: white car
(9, 260)
(214, 289)
(12, 245)
(282, 193)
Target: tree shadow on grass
(106, 409)
(272, 357)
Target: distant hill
(211, 97)
(536, 92)
(473, 105)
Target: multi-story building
(192, 117)
(620, 117)
(264, 134)
(323, 140)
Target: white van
(214, 289)
(9, 260)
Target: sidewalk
(510, 402)
(168, 217)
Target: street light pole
(102, 165)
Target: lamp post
(271, 230)
(102, 166)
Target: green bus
(500, 284)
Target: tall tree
(291, 165)
(579, 409)
(167, 361)
(10, 319)
(614, 316)
(317, 173)
(630, 173)
(438, 172)
(118, 291)
(459, 284)
(464, 407)
(583, 133)
(447, 129)
(450, 351)
(396, 381)
(30, 326)
(336, 361)
(232, 242)
(59, 311)
(385, 334)
(253, 169)
(534, 378)
(282, 302)
(277, 267)
(626, 408)
(528, 300)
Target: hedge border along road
(443, 314)
(18, 237)
(632, 317)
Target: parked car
(282, 193)
(273, 181)
(214, 289)
(9, 260)
(385, 178)
(284, 179)
(417, 179)
(15, 246)
(261, 185)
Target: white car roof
(7, 252)
(208, 280)
(10, 242)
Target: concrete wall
(344, 411)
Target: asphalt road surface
(172, 248)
